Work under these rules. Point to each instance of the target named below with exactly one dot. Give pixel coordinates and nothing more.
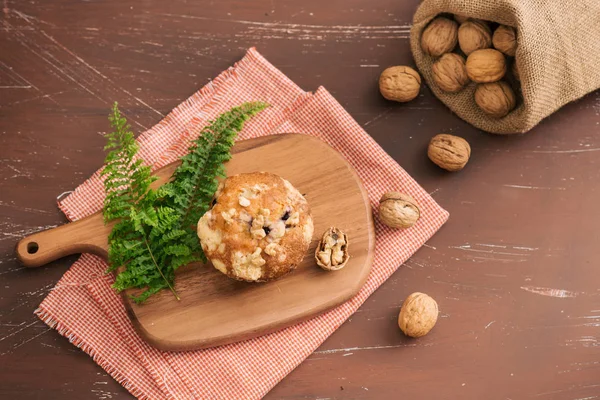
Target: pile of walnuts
(465, 50)
(487, 57)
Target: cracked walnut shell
(495, 99)
(487, 65)
(332, 252)
(474, 35)
(400, 83)
(449, 73)
(398, 210)
(449, 152)
(439, 37)
(418, 315)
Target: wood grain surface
(213, 309)
(515, 269)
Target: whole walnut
(487, 65)
(460, 18)
(474, 35)
(496, 99)
(439, 37)
(449, 152)
(449, 73)
(400, 83)
(515, 71)
(505, 40)
(418, 315)
(398, 210)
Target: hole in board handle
(32, 247)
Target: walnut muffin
(258, 229)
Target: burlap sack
(558, 55)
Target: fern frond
(195, 181)
(129, 198)
(156, 229)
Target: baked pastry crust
(258, 229)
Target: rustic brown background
(515, 270)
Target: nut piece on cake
(259, 228)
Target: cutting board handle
(88, 235)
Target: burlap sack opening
(558, 55)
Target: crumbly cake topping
(258, 229)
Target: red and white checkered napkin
(84, 308)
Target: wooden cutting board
(216, 310)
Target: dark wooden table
(515, 270)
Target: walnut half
(332, 252)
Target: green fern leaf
(155, 233)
